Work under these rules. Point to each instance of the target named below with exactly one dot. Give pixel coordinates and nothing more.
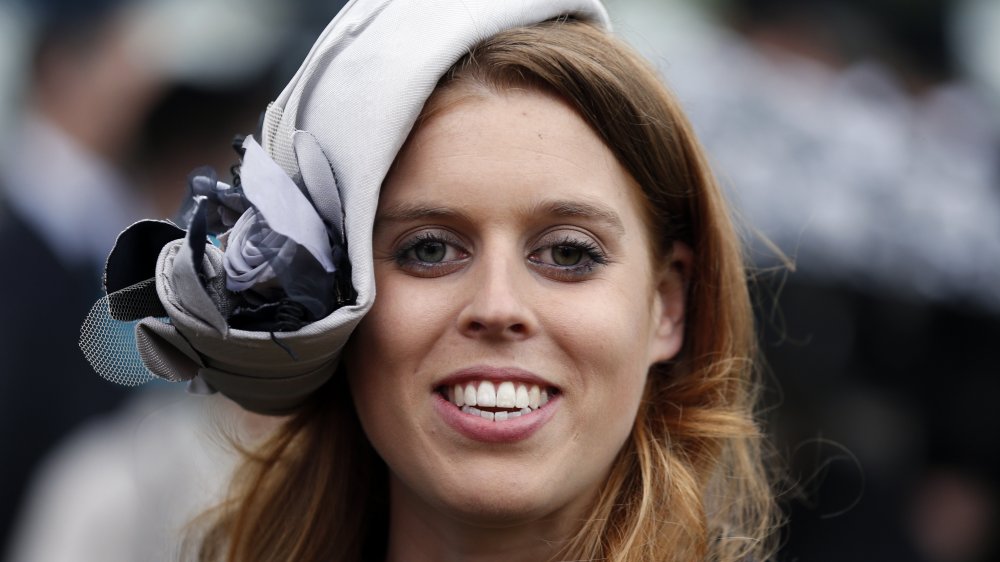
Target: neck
(419, 532)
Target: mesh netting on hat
(107, 336)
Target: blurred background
(859, 141)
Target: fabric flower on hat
(278, 266)
(280, 258)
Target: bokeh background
(859, 141)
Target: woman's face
(513, 266)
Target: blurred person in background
(863, 139)
(111, 114)
(63, 191)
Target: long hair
(690, 482)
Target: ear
(669, 303)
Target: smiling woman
(559, 362)
(493, 292)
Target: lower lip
(481, 429)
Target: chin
(498, 509)
(502, 494)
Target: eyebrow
(407, 211)
(415, 211)
(579, 209)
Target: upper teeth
(504, 395)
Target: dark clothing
(46, 386)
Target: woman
(558, 365)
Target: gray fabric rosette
(263, 316)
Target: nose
(498, 303)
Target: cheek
(607, 339)
(609, 327)
(376, 384)
(404, 322)
(403, 328)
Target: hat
(263, 315)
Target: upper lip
(493, 374)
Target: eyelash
(593, 257)
(405, 260)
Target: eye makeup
(568, 256)
(563, 255)
(430, 253)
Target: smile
(497, 402)
(496, 405)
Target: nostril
(518, 329)
(495, 327)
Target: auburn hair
(690, 482)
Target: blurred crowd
(858, 139)
(106, 106)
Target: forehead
(521, 145)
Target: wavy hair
(690, 482)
